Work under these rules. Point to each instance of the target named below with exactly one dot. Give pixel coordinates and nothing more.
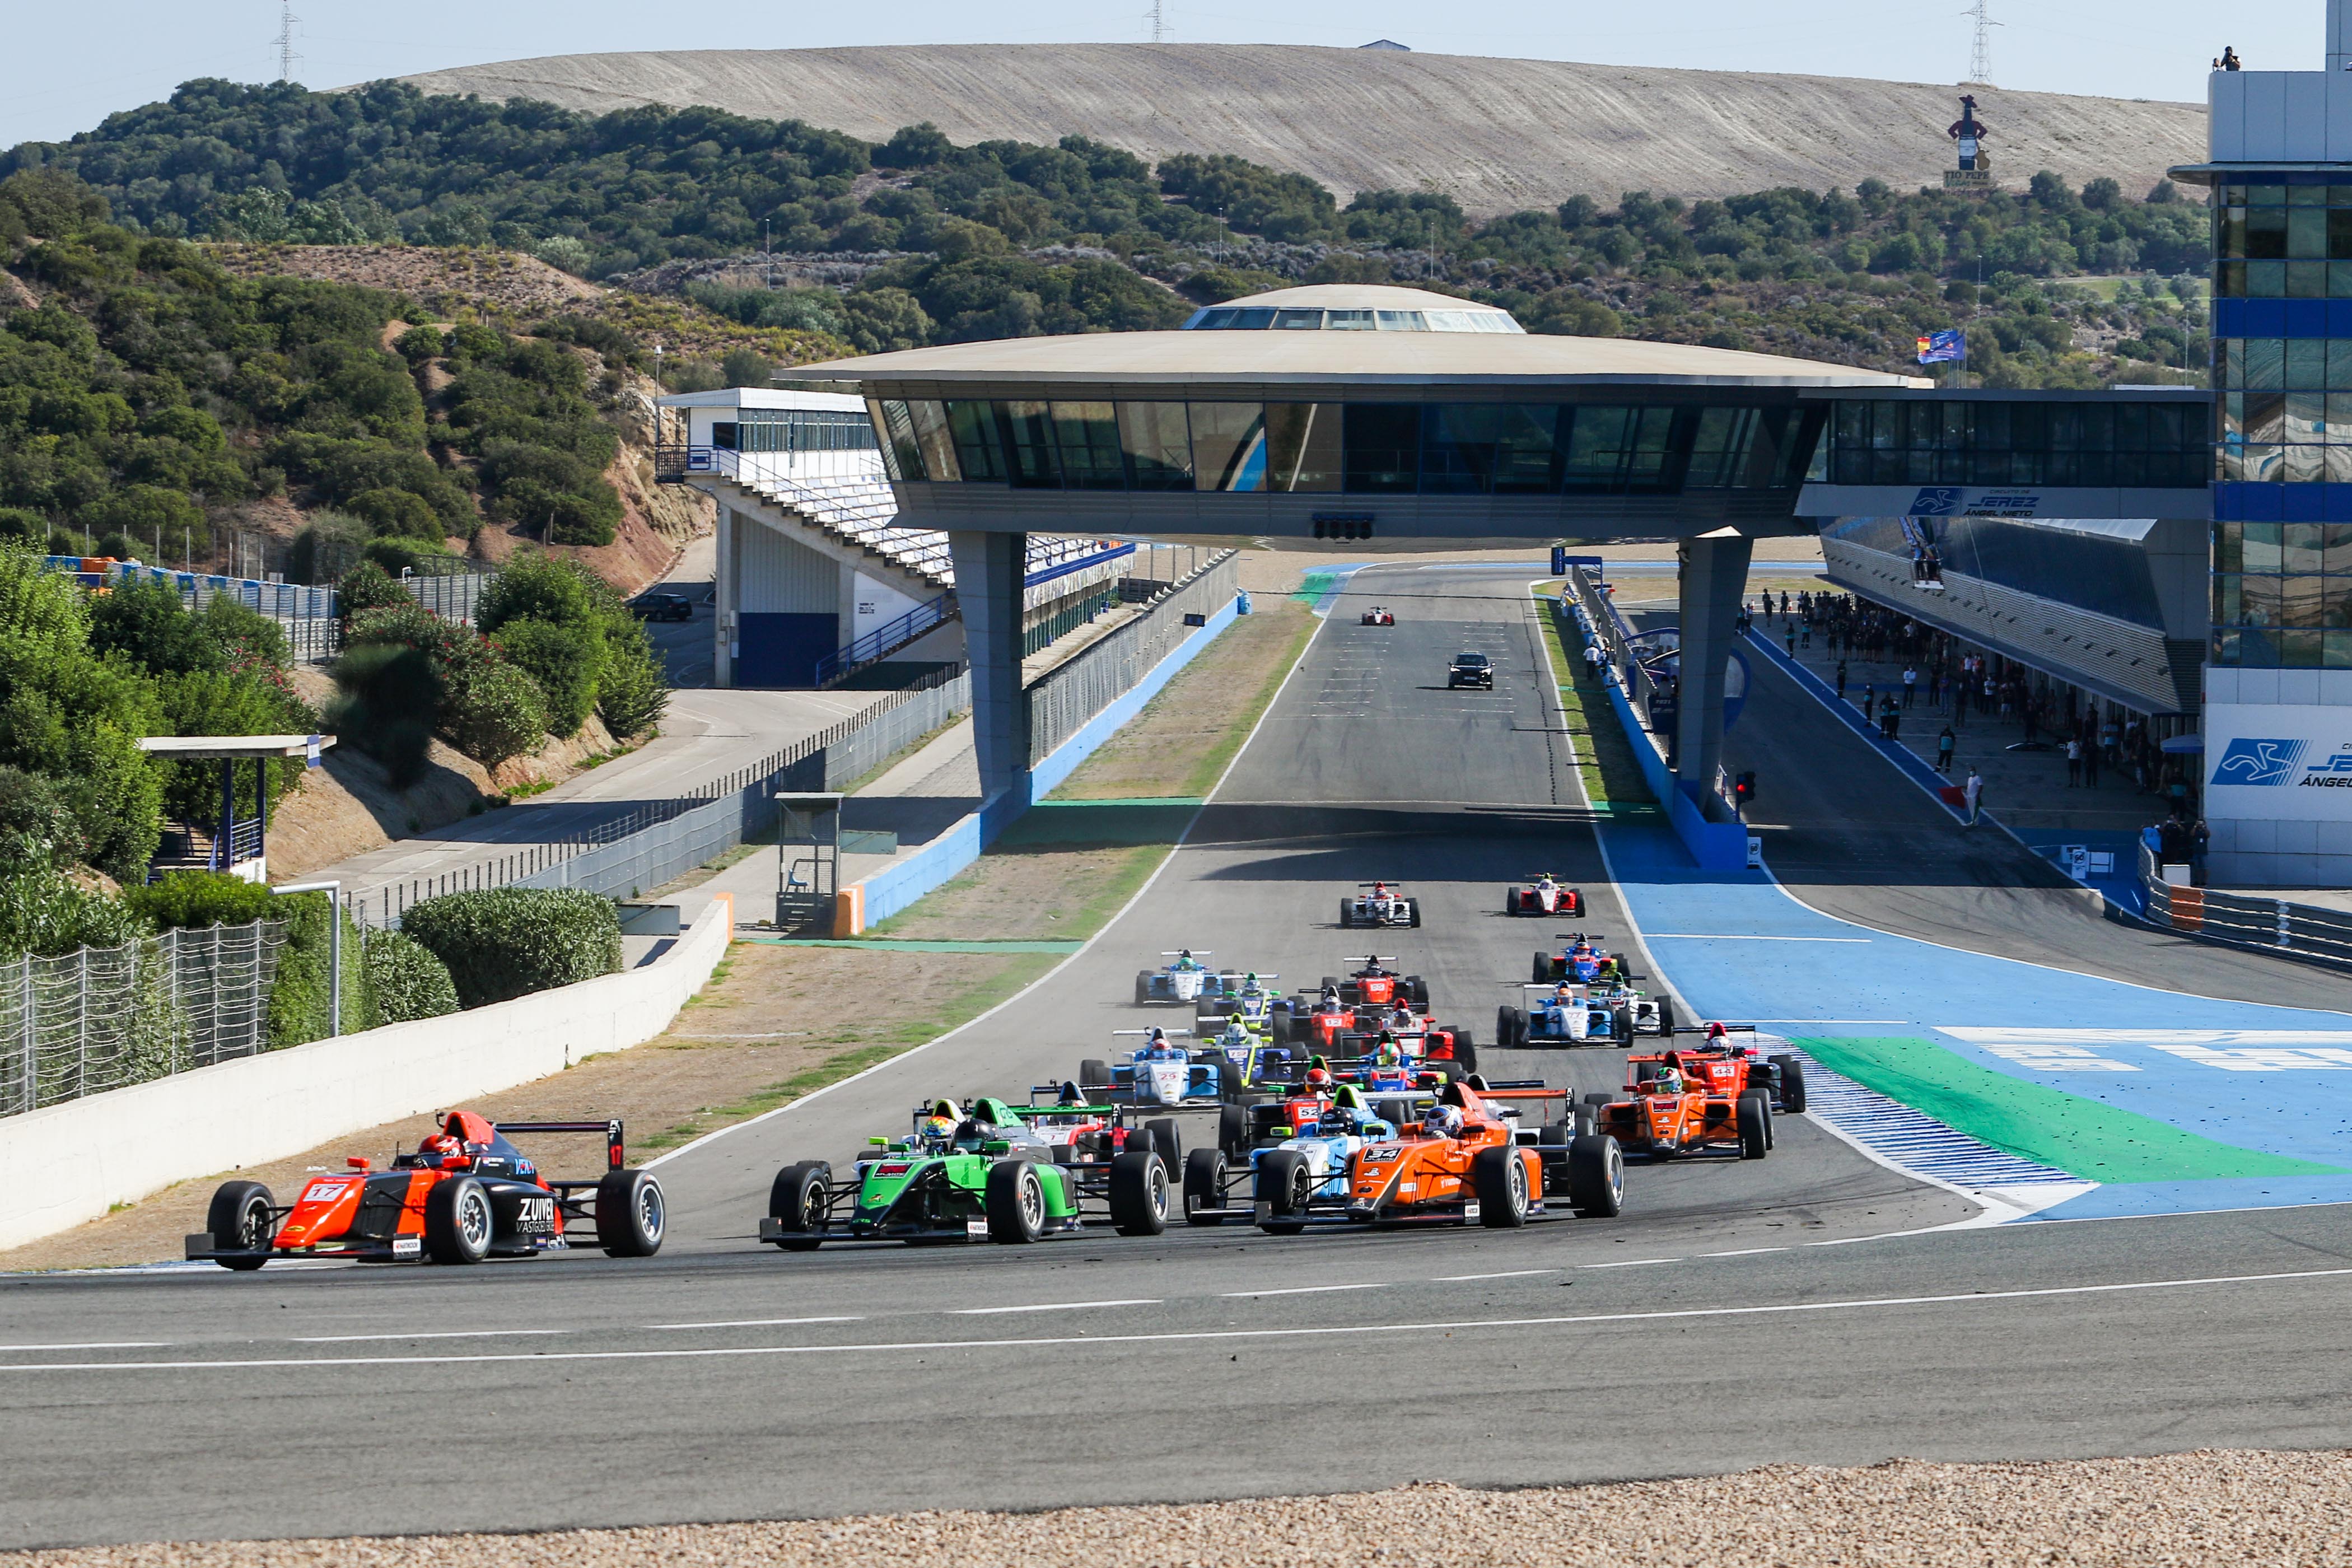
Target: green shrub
(536, 587)
(37, 822)
(564, 662)
(419, 556)
(387, 696)
(633, 690)
(193, 900)
(298, 1013)
(368, 587)
(492, 712)
(45, 912)
(406, 981)
(510, 942)
(18, 526)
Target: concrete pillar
(724, 597)
(1713, 576)
(989, 569)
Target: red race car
(1542, 896)
(1373, 986)
(1379, 616)
(466, 1194)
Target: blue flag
(1936, 347)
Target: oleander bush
(406, 981)
(504, 942)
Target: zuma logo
(1935, 502)
(2257, 762)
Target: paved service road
(1804, 1308)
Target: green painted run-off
(2095, 1141)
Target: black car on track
(1470, 669)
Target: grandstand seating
(859, 507)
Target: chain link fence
(104, 1019)
(1063, 699)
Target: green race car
(978, 1172)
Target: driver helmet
(939, 1130)
(1563, 992)
(1380, 889)
(1668, 1082)
(1317, 1078)
(1249, 982)
(1545, 882)
(1716, 1031)
(1385, 1049)
(1443, 1122)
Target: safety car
(467, 1193)
(1470, 669)
(1378, 905)
(970, 1172)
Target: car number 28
(536, 1216)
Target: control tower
(2278, 683)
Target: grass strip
(1209, 766)
(1612, 778)
(2089, 1138)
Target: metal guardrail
(1063, 700)
(106, 1017)
(2269, 925)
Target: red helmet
(1317, 1078)
(1716, 1031)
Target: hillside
(1496, 134)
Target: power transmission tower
(285, 40)
(1158, 19)
(1980, 48)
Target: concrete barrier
(889, 890)
(72, 1163)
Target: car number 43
(536, 1215)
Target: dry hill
(1497, 134)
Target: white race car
(1378, 905)
(1186, 980)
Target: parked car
(662, 606)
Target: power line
(285, 40)
(1158, 20)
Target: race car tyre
(1233, 1131)
(631, 1213)
(1231, 1084)
(1621, 1026)
(1500, 1177)
(1599, 1098)
(1205, 1185)
(1015, 1202)
(1138, 1194)
(1330, 983)
(1755, 1125)
(1167, 1141)
(1395, 1113)
(1278, 1023)
(1792, 1084)
(798, 1200)
(1466, 1051)
(1142, 987)
(1542, 970)
(1416, 990)
(1596, 1176)
(1667, 1015)
(1503, 1025)
(1284, 1184)
(1347, 921)
(1587, 1120)
(458, 1225)
(242, 1219)
(1094, 1073)
(1413, 913)
(1575, 909)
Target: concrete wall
(787, 606)
(2279, 828)
(72, 1163)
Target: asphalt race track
(1815, 1307)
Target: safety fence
(103, 1018)
(667, 838)
(309, 616)
(452, 595)
(1063, 699)
(2240, 919)
(1616, 635)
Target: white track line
(1504, 1274)
(449, 1334)
(1634, 1263)
(1056, 1307)
(1019, 996)
(1307, 1290)
(752, 1323)
(99, 1345)
(1789, 1309)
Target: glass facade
(2104, 573)
(2282, 563)
(1927, 441)
(1269, 319)
(1371, 448)
(793, 431)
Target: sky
(66, 69)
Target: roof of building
(759, 397)
(1360, 297)
(1280, 358)
(231, 748)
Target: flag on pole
(1936, 347)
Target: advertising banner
(2279, 761)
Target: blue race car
(1583, 961)
(1564, 1012)
(1164, 1073)
(1187, 980)
(1302, 1147)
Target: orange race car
(1687, 1102)
(466, 1194)
(1468, 1159)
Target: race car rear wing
(614, 1143)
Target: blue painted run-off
(1737, 947)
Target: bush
(387, 697)
(18, 526)
(511, 942)
(37, 822)
(633, 691)
(536, 587)
(43, 912)
(492, 712)
(424, 556)
(298, 1013)
(564, 662)
(193, 900)
(406, 981)
(368, 587)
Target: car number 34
(536, 1215)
